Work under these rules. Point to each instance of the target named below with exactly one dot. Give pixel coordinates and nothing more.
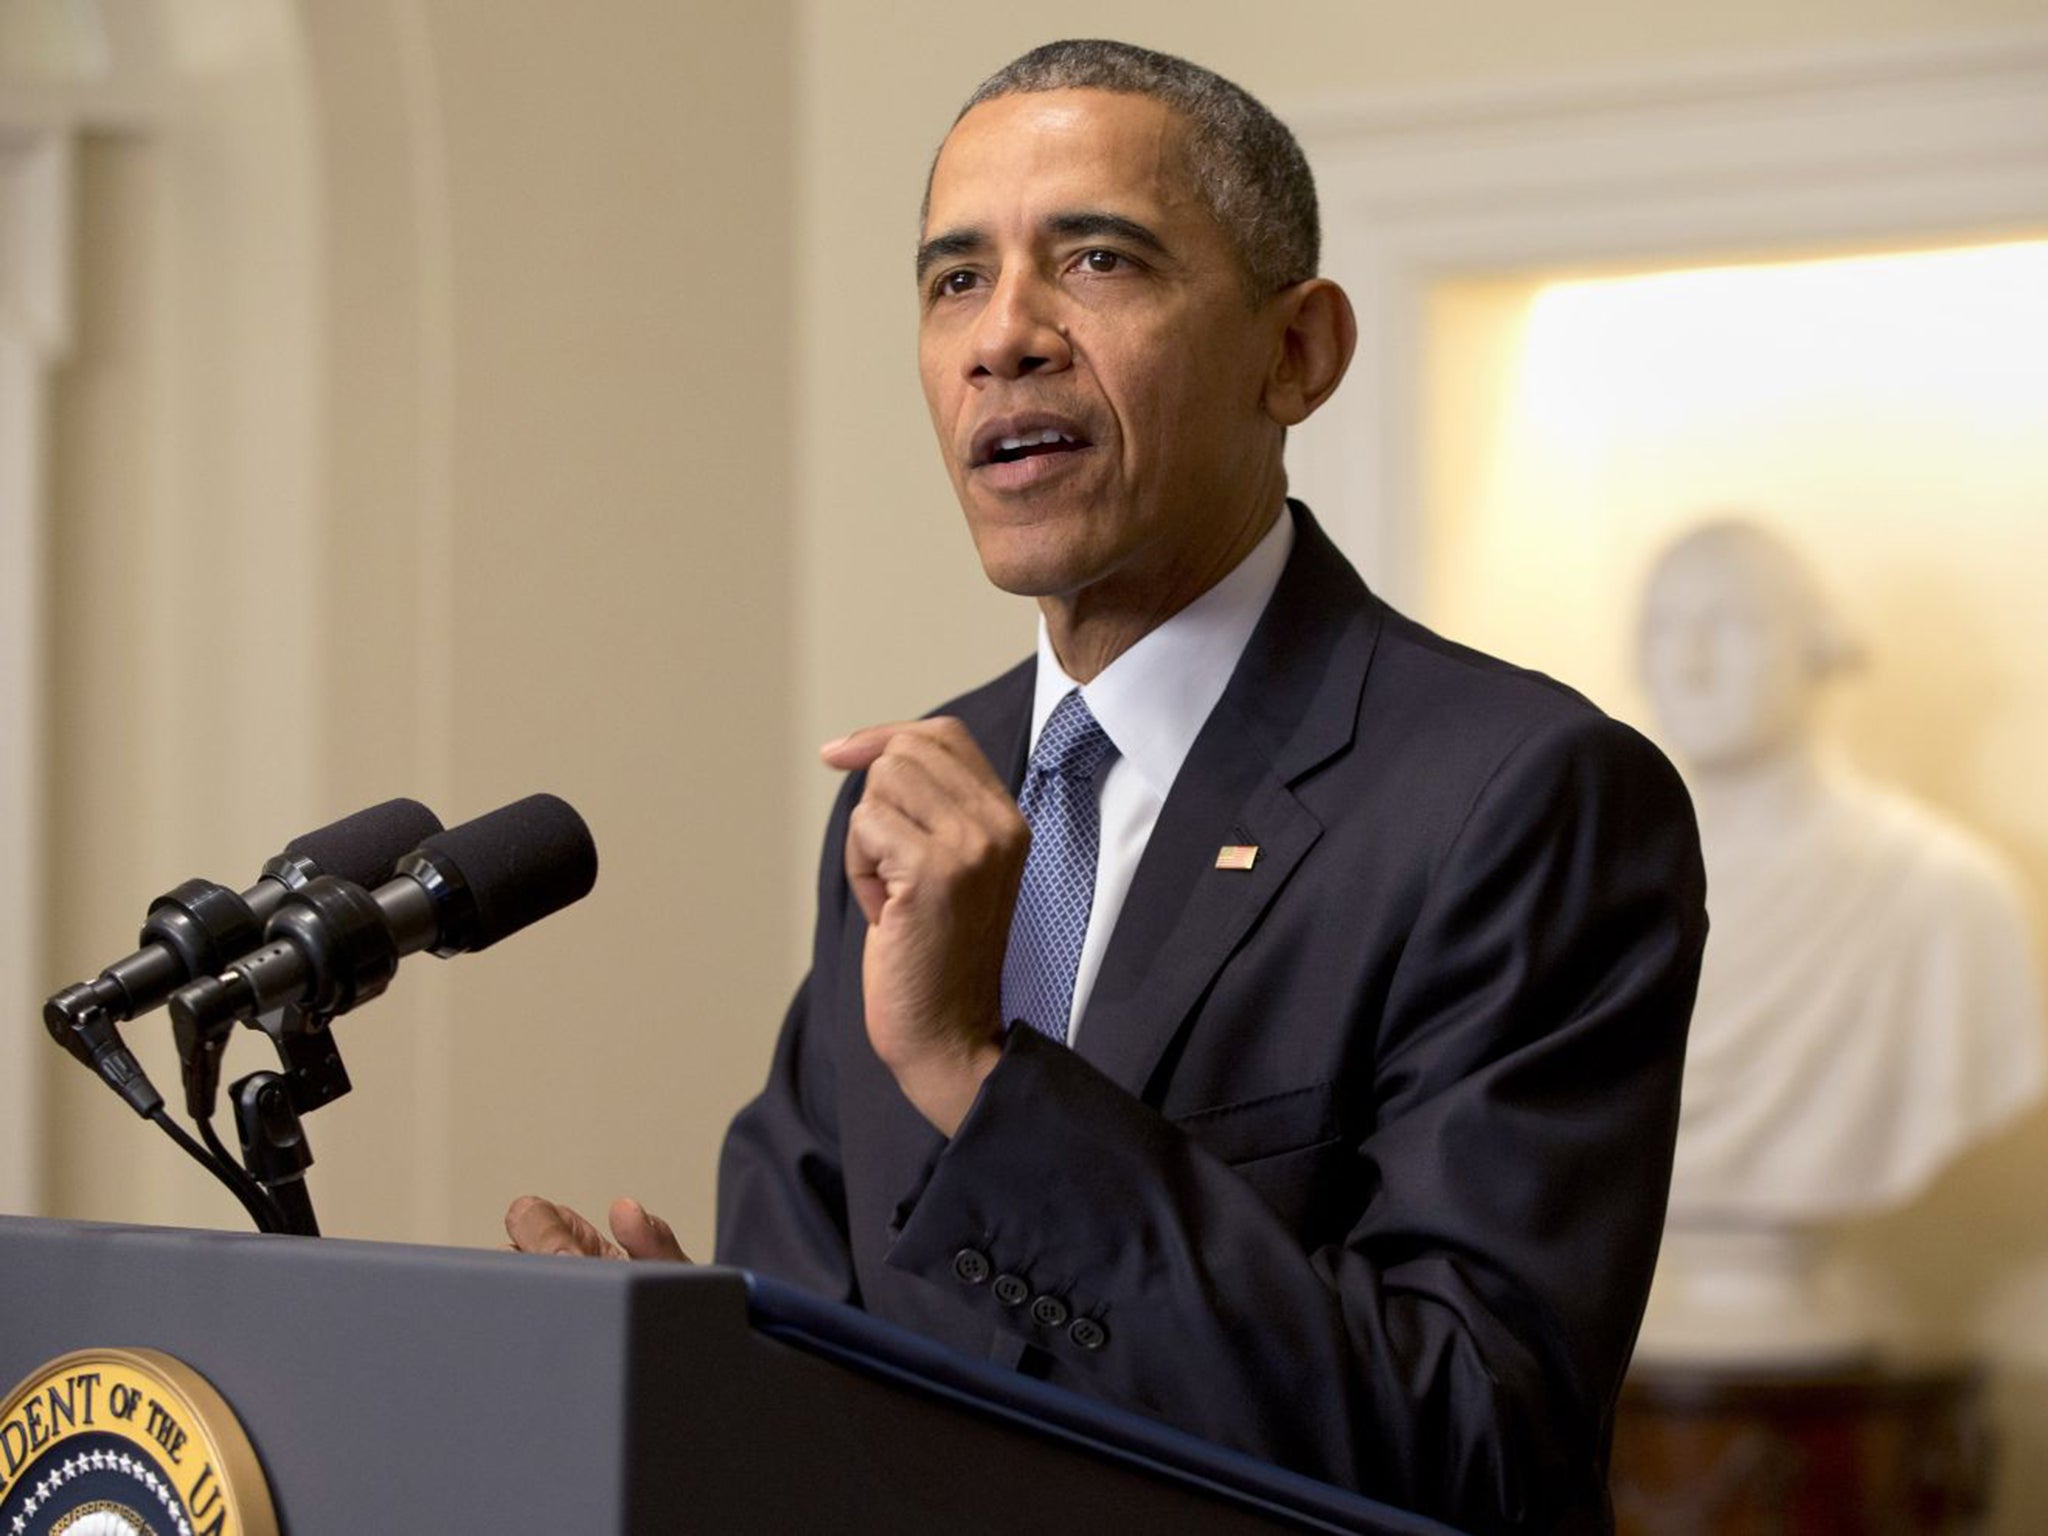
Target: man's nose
(1019, 331)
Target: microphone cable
(214, 1158)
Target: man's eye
(954, 283)
(1100, 261)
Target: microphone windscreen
(363, 847)
(519, 863)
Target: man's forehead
(1088, 142)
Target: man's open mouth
(1030, 445)
(1008, 442)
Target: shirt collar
(1153, 699)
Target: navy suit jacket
(1361, 1157)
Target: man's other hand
(535, 1225)
(934, 853)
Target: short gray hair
(1247, 166)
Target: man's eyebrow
(1088, 223)
(954, 242)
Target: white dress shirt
(1152, 701)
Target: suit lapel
(1291, 705)
(1183, 917)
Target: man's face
(1094, 372)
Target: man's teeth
(1033, 440)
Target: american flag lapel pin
(1237, 855)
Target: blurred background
(459, 398)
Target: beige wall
(544, 363)
(185, 606)
(561, 520)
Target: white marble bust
(1868, 1006)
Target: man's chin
(1029, 561)
(1023, 580)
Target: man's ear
(1318, 337)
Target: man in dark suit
(1317, 1093)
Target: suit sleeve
(1458, 1351)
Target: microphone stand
(274, 1147)
(269, 1107)
(361, 958)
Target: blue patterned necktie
(1058, 800)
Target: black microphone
(200, 927)
(332, 945)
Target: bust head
(1734, 645)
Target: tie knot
(1072, 744)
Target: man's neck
(1089, 629)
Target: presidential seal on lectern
(126, 1442)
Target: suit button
(971, 1265)
(1049, 1310)
(1011, 1291)
(1088, 1333)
